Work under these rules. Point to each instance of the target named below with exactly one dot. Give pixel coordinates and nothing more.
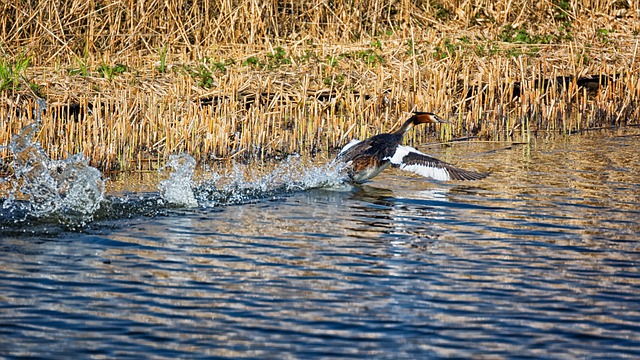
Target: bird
(365, 159)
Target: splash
(241, 185)
(178, 188)
(68, 190)
(69, 194)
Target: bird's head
(420, 117)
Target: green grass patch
(11, 72)
(162, 52)
(110, 71)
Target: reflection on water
(539, 260)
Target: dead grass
(129, 83)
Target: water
(540, 260)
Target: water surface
(540, 260)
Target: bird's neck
(405, 127)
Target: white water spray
(70, 192)
(68, 188)
(178, 188)
(235, 188)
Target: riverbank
(130, 84)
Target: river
(539, 260)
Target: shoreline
(308, 91)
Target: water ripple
(530, 263)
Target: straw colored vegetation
(130, 82)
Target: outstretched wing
(410, 159)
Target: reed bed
(130, 82)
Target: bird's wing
(410, 159)
(349, 146)
(353, 150)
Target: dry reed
(251, 79)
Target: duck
(364, 159)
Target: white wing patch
(401, 152)
(440, 174)
(431, 170)
(351, 144)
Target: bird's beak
(438, 119)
